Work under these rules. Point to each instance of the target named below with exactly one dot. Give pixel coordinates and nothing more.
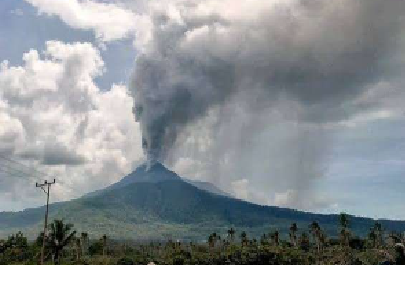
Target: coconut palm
(373, 237)
(275, 238)
(344, 229)
(231, 235)
(304, 242)
(378, 230)
(244, 238)
(84, 242)
(316, 232)
(314, 229)
(60, 235)
(322, 240)
(104, 244)
(78, 249)
(293, 234)
(212, 239)
(263, 239)
(344, 220)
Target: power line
(22, 165)
(61, 194)
(5, 170)
(18, 171)
(31, 169)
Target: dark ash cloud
(307, 59)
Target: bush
(125, 261)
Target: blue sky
(359, 167)
(367, 172)
(23, 29)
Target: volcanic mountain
(154, 203)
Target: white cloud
(109, 21)
(302, 201)
(364, 118)
(53, 116)
(11, 132)
(242, 189)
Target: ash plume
(307, 59)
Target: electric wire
(30, 172)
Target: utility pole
(47, 191)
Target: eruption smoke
(309, 59)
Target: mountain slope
(155, 203)
(208, 187)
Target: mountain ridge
(155, 203)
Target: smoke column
(306, 58)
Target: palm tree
(104, 244)
(322, 240)
(344, 220)
(231, 235)
(304, 241)
(399, 254)
(373, 237)
(212, 239)
(84, 243)
(293, 234)
(344, 231)
(218, 239)
(243, 238)
(378, 234)
(314, 229)
(60, 235)
(78, 249)
(275, 238)
(263, 239)
(316, 232)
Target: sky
(294, 103)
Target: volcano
(154, 203)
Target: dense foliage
(309, 245)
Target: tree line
(309, 245)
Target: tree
(373, 237)
(293, 234)
(244, 238)
(84, 242)
(275, 238)
(231, 235)
(344, 229)
(211, 241)
(60, 235)
(394, 238)
(344, 220)
(263, 239)
(15, 248)
(304, 242)
(378, 234)
(104, 244)
(78, 249)
(317, 234)
(399, 254)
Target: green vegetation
(145, 218)
(158, 211)
(63, 246)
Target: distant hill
(155, 203)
